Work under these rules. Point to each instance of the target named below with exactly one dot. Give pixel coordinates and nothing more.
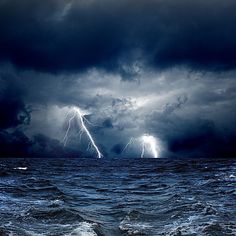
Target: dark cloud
(73, 35)
(107, 123)
(117, 149)
(14, 144)
(14, 112)
(193, 136)
(17, 144)
(43, 146)
(203, 140)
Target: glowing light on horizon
(149, 141)
(148, 144)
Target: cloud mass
(164, 68)
(73, 35)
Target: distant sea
(111, 197)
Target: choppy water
(89, 197)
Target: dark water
(90, 197)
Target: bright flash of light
(149, 141)
(127, 145)
(88, 133)
(68, 128)
(78, 114)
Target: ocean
(117, 197)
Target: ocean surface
(105, 197)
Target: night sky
(161, 68)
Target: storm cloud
(164, 68)
(55, 36)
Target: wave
(193, 226)
(83, 229)
(134, 224)
(107, 198)
(79, 229)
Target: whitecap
(83, 229)
(21, 168)
(132, 227)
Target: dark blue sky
(134, 67)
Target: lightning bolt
(65, 139)
(127, 145)
(89, 122)
(77, 113)
(143, 150)
(147, 142)
(99, 154)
